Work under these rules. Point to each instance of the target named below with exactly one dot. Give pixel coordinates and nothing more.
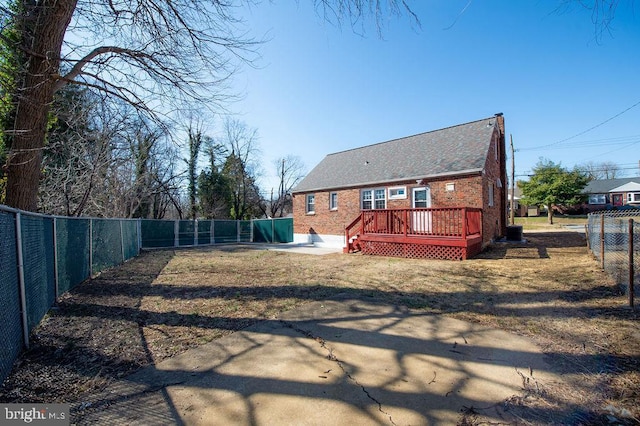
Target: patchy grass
(165, 302)
(541, 223)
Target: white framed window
(333, 201)
(373, 199)
(311, 203)
(366, 199)
(633, 197)
(450, 187)
(398, 193)
(421, 197)
(491, 202)
(380, 198)
(597, 199)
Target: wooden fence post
(586, 234)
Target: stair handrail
(351, 226)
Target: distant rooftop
(603, 186)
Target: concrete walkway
(338, 362)
(296, 248)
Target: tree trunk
(42, 48)
(550, 215)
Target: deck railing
(455, 222)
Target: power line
(620, 140)
(613, 150)
(529, 173)
(459, 15)
(588, 130)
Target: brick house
(608, 194)
(421, 190)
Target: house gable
(627, 187)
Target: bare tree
(101, 159)
(602, 170)
(77, 153)
(603, 12)
(157, 55)
(147, 181)
(290, 171)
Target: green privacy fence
(10, 306)
(277, 230)
(188, 233)
(42, 257)
(45, 256)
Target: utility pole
(513, 182)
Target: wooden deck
(439, 233)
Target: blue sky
(321, 88)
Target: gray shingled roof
(454, 150)
(605, 185)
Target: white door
(421, 221)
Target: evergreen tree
(215, 195)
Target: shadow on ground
(378, 362)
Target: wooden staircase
(352, 234)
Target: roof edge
(414, 135)
(387, 182)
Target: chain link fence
(42, 257)
(614, 239)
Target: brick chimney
(500, 120)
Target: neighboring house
(431, 188)
(520, 210)
(612, 193)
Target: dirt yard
(165, 302)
